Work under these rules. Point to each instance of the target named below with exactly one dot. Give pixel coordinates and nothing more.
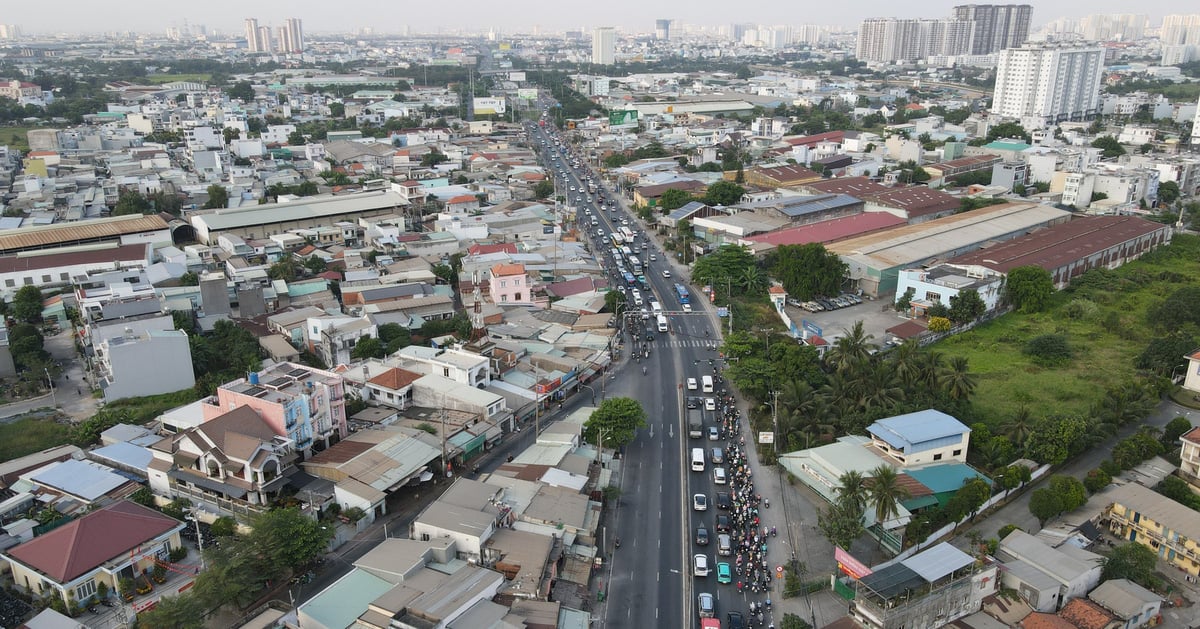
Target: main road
(649, 581)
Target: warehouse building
(264, 221)
(875, 260)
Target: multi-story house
(510, 285)
(466, 368)
(304, 404)
(1189, 454)
(235, 458)
(150, 362)
(333, 337)
(1140, 514)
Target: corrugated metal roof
(1062, 244)
(43, 236)
(298, 211)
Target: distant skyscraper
(997, 26)
(1049, 83)
(604, 45)
(887, 40)
(1117, 27)
(1180, 30)
(662, 30)
(295, 35)
(264, 39)
(9, 31)
(1196, 126)
(253, 42)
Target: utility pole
(775, 420)
(445, 463)
(50, 381)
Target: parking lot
(877, 316)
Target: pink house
(510, 285)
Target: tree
(242, 89)
(1168, 192)
(230, 134)
(1028, 288)
(807, 271)
(131, 202)
(792, 621)
(851, 349)
(286, 269)
(288, 539)
(296, 138)
(27, 304)
(433, 158)
(1130, 561)
(885, 493)
(958, 380)
(616, 421)
(1043, 504)
(939, 324)
(1175, 429)
(726, 268)
(1049, 349)
(966, 306)
(911, 172)
(1069, 490)
(315, 264)
(853, 491)
(1109, 146)
(1056, 438)
(1179, 309)
(394, 337)
(1007, 130)
(218, 197)
(1096, 480)
(674, 198)
(367, 348)
(724, 193)
(544, 189)
(183, 611)
(613, 300)
(841, 524)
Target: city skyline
(519, 16)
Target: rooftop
(312, 208)
(914, 429)
(831, 230)
(1151, 504)
(92, 230)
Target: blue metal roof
(914, 432)
(680, 213)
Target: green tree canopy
(616, 421)
(218, 197)
(966, 306)
(131, 202)
(807, 271)
(1130, 561)
(725, 269)
(367, 348)
(27, 304)
(724, 193)
(544, 189)
(1109, 146)
(243, 90)
(674, 198)
(1007, 130)
(1029, 288)
(1178, 310)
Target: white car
(700, 502)
(719, 475)
(666, 273)
(653, 258)
(700, 565)
(710, 404)
(691, 384)
(687, 307)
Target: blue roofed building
(919, 438)
(944, 479)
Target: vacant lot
(1105, 342)
(16, 137)
(31, 435)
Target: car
(653, 258)
(687, 307)
(735, 620)
(710, 404)
(572, 188)
(691, 384)
(724, 545)
(713, 433)
(700, 502)
(701, 536)
(795, 303)
(666, 274)
(724, 574)
(693, 402)
(707, 605)
(723, 525)
(718, 455)
(645, 314)
(719, 475)
(723, 500)
(700, 565)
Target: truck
(695, 419)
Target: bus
(627, 252)
(682, 292)
(627, 234)
(618, 239)
(629, 279)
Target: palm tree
(853, 490)
(752, 279)
(850, 350)
(906, 362)
(958, 380)
(841, 392)
(885, 493)
(1019, 427)
(931, 371)
(882, 389)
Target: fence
(928, 339)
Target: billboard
(489, 106)
(848, 564)
(516, 76)
(527, 93)
(625, 118)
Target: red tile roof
(1055, 247)
(506, 270)
(499, 247)
(906, 330)
(831, 230)
(395, 379)
(813, 140)
(1086, 614)
(75, 549)
(1040, 620)
(917, 200)
(776, 290)
(1192, 436)
(463, 198)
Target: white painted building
(1040, 84)
(938, 284)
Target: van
(662, 323)
(637, 296)
(707, 383)
(656, 307)
(697, 459)
(595, 222)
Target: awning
(212, 485)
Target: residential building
(460, 366)
(1132, 604)
(1042, 84)
(1189, 454)
(293, 36)
(304, 404)
(1114, 27)
(662, 30)
(1180, 30)
(150, 363)
(333, 337)
(941, 283)
(236, 456)
(996, 26)
(1046, 577)
(890, 40)
(1139, 514)
(508, 284)
(930, 589)
(923, 437)
(121, 541)
(604, 44)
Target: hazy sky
(508, 15)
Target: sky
(73, 16)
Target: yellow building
(1139, 514)
(121, 541)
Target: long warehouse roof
(298, 210)
(56, 234)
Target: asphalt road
(649, 578)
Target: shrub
(1006, 529)
(1080, 309)
(1096, 480)
(939, 324)
(1049, 349)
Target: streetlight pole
(199, 536)
(50, 381)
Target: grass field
(158, 79)
(27, 436)
(16, 137)
(1105, 343)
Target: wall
(161, 363)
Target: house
(1140, 514)
(333, 337)
(1130, 603)
(923, 437)
(1085, 614)
(508, 284)
(778, 176)
(469, 513)
(1189, 454)
(648, 196)
(1072, 570)
(236, 456)
(930, 589)
(941, 283)
(150, 363)
(121, 541)
(462, 204)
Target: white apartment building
(1114, 27)
(1041, 84)
(1180, 30)
(1124, 187)
(995, 26)
(604, 45)
(462, 367)
(888, 40)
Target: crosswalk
(681, 343)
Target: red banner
(848, 564)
